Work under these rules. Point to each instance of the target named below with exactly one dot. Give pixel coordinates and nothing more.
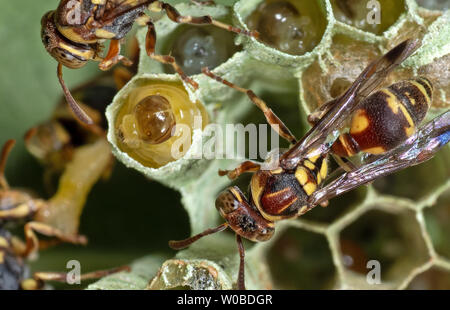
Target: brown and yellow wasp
(54, 141)
(56, 218)
(74, 32)
(383, 125)
(15, 273)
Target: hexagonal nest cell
(436, 219)
(432, 279)
(301, 260)
(393, 240)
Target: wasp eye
(226, 202)
(155, 119)
(47, 40)
(47, 28)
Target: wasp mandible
(383, 124)
(73, 34)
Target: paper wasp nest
(400, 221)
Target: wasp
(54, 141)
(383, 125)
(15, 274)
(74, 32)
(17, 206)
(57, 217)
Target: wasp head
(70, 54)
(245, 220)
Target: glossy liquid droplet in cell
(293, 27)
(197, 47)
(361, 13)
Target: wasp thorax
(156, 123)
(195, 48)
(155, 119)
(293, 27)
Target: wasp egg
(372, 16)
(293, 27)
(197, 47)
(153, 121)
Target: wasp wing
(120, 7)
(419, 148)
(371, 77)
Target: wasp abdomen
(280, 194)
(386, 118)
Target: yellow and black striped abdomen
(280, 194)
(386, 118)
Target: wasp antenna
(79, 113)
(30, 134)
(241, 274)
(181, 244)
(3, 158)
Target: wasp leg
(150, 42)
(271, 118)
(113, 57)
(175, 16)
(37, 282)
(121, 76)
(246, 166)
(181, 244)
(32, 242)
(22, 211)
(241, 275)
(207, 2)
(318, 113)
(27, 210)
(324, 204)
(3, 158)
(19, 247)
